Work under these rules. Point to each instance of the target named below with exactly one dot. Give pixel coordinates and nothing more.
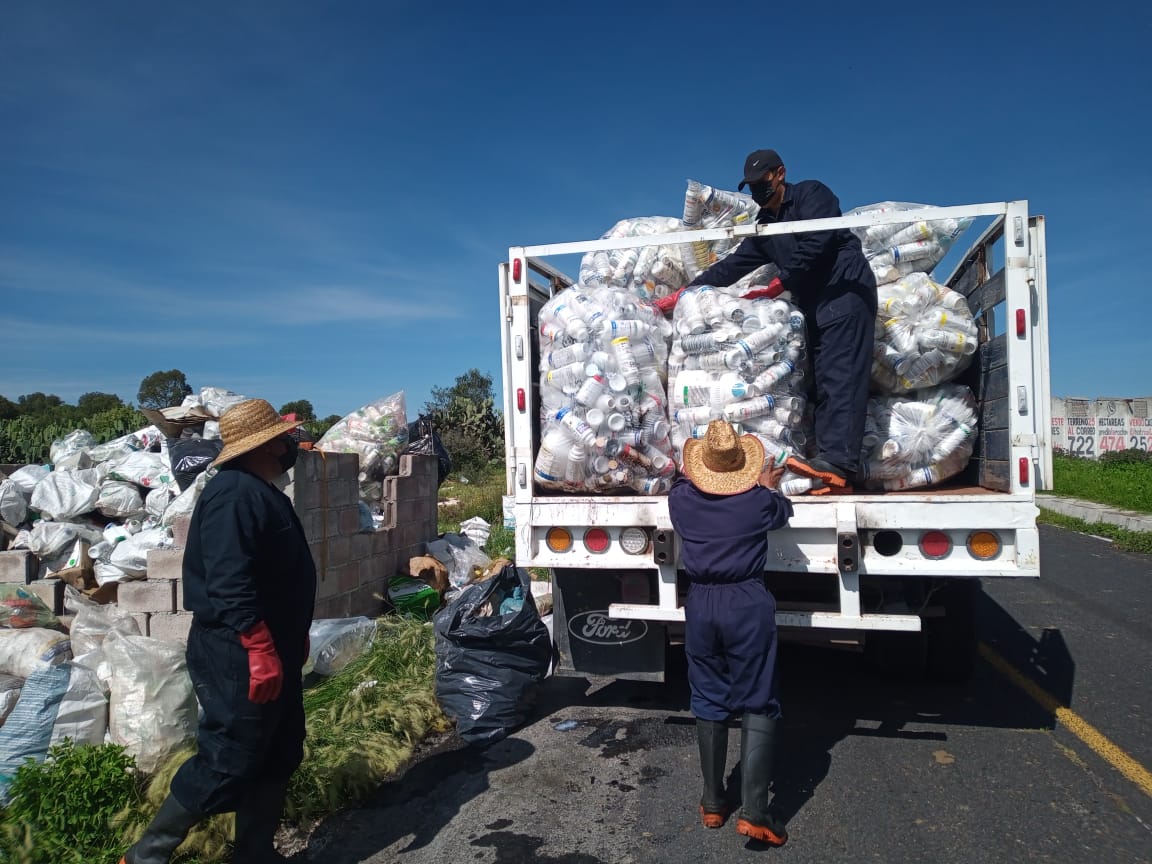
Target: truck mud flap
(591, 643)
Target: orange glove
(667, 304)
(775, 289)
(265, 674)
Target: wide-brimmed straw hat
(247, 425)
(723, 463)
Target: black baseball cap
(759, 163)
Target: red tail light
(596, 540)
(520, 399)
(1021, 323)
(1023, 470)
(517, 264)
(935, 544)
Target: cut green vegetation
(1122, 479)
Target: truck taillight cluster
(981, 545)
(633, 541)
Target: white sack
(64, 495)
(22, 652)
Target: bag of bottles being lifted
(919, 439)
(901, 248)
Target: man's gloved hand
(667, 304)
(775, 289)
(265, 674)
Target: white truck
(888, 572)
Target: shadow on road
(829, 695)
(419, 803)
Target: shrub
(62, 809)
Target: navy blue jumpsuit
(831, 282)
(247, 560)
(730, 617)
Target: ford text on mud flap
(844, 567)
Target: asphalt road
(1044, 756)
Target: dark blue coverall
(730, 617)
(246, 560)
(831, 282)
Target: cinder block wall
(352, 568)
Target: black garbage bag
(192, 456)
(423, 440)
(489, 665)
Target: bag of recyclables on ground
(744, 361)
(919, 439)
(925, 334)
(603, 355)
(897, 249)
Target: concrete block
(348, 520)
(348, 467)
(371, 571)
(347, 578)
(343, 492)
(180, 526)
(50, 592)
(319, 557)
(361, 546)
(383, 540)
(19, 567)
(307, 494)
(367, 600)
(149, 595)
(173, 626)
(167, 564)
(141, 619)
(339, 551)
(333, 607)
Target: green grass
(1129, 541)
(1122, 479)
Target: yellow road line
(1073, 722)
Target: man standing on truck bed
(723, 508)
(830, 280)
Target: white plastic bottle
(625, 360)
(591, 390)
(576, 468)
(552, 458)
(576, 352)
(576, 427)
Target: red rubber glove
(265, 674)
(775, 289)
(667, 304)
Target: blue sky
(310, 199)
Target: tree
(302, 408)
(39, 403)
(473, 386)
(317, 428)
(467, 421)
(9, 410)
(163, 389)
(94, 403)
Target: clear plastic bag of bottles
(741, 360)
(898, 249)
(925, 335)
(708, 207)
(647, 272)
(918, 440)
(603, 415)
(377, 433)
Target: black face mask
(288, 458)
(761, 191)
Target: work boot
(168, 829)
(256, 822)
(757, 762)
(818, 469)
(713, 738)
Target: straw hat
(723, 463)
(247, 425)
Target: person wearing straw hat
(723, 506)
(250, 582)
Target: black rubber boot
(256, 824)
(757, 763)
(713, 738)
(167, 831)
